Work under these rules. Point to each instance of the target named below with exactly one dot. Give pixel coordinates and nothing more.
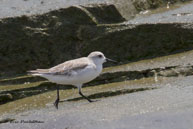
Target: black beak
(107, 59)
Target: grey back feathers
(65, 68)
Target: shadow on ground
(110, 94)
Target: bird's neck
(99, 68)
(99, 65)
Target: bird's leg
(58, 98)
(79, 91)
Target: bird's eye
(100, 56)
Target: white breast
(88, 74)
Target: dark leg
(57, 99)
(79, 89)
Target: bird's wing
(69, 67)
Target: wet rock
(103, 14)
(42, 41)
(40, 47)
(173, 71)
(135, 42)
(168, 73)
(21, 80)
(28, 42)
(118, 77)
(177, 71)
(5, 98)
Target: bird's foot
(91, 101)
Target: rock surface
(44, 40)
(4, 98)
(35, 41)
(49, 39)
(128, 8)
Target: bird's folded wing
(69, 67)
(68, 70)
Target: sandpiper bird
(74, 72)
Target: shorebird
(74, 72)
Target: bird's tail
(38, 72)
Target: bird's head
(99, 58)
